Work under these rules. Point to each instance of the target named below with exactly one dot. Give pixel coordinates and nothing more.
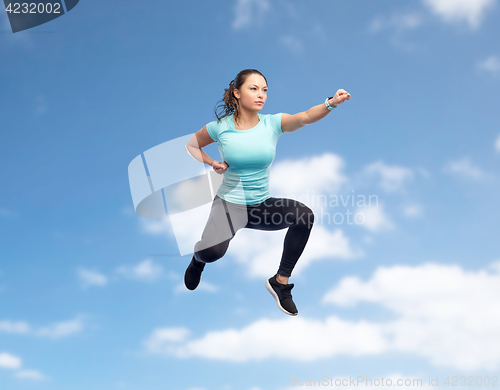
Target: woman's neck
(246, 120)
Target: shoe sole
(273, 293)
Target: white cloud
(397, 24)
(469, 11)
(30, 374)
(61, 329)
(165, 335)
(490, 64)
(413, 210)
(156, 226)
(495, 266)
(392, 177)
(57, 330)
(263, 340)
(262, 261)
(447, 314)
(249, 12)
(497, 143)
(147, 270)
(9, 361)
(299, 178)
(373, 218)
(465, 168)
(92, 278)
(399, 21)
(19, 327)
(292, 43)
(12, 362)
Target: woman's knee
(310, 216)
(211, 254)
(307, 215)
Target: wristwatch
(327, 105)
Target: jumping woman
(247, 143)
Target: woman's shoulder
(217, 126)
(270, 116)
(273, 121)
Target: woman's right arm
(199, 140)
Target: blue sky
(89, 298)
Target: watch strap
(330, 108)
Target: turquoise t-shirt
(249, 155)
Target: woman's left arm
(290, 123)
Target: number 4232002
(33, 8)
(471, 381)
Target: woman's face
(253, 90)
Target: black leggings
(226, 218)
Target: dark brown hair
(229, 102)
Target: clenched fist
(340, 97)
(219, 167)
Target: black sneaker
(282, 294)
(193, 274)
